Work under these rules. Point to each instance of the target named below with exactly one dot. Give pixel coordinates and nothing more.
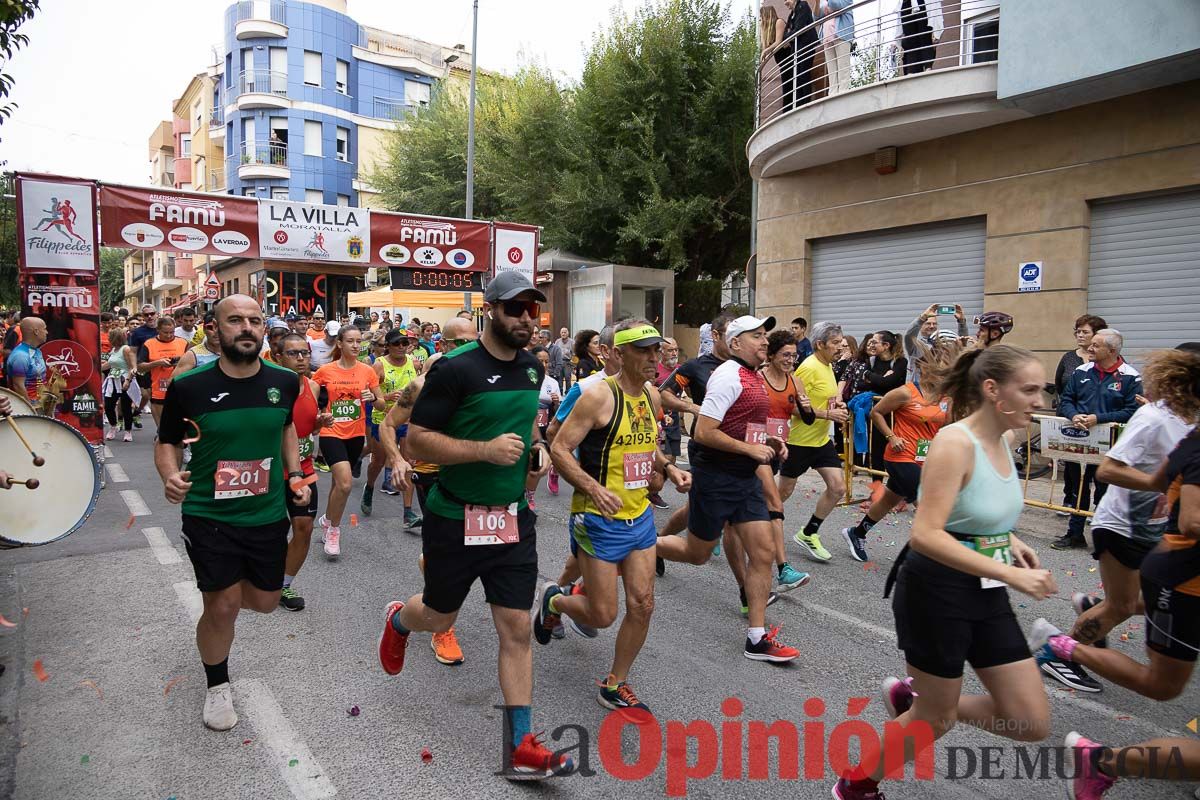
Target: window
(416, 94)
(343, 144)
(197, 114)
(312, 138)
(248, 191)
(279, 193)
(278, 62)
(984, 40)
(312, 68)
(343, 200)
(343, 77)
(185, 145)
(315, 196)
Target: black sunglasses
(514, 308)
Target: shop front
(280, 291)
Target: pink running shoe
(552, 482)
(1083, 781)
(333, 542)
(897, 696)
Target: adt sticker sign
(1029, 276)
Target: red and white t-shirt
(737, 399)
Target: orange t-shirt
(315, 335)
(917, 422)
(345, 397)
(105, 344)
(160, 377)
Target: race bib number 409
(241, 479)
(346, 410)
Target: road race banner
(159, 219)
(1063, 442)
(56, 220)
(310, 232)
(409, 240)
(70, 306)
(516, 248)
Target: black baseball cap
(509, 284)
(397, 336)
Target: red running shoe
(532, 761)
(392, 644)
(771, 649)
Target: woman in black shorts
(951, 605)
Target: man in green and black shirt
(476, 418)
(237, 414)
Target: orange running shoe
(446, 649)
(532, 761)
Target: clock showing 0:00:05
(434, 279)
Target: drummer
(26, 369)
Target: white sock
(755, 635)
(287, 580)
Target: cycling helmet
(996, 319)
(945, 335)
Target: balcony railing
(262, 81)
(274, 10)
(216, 180)
(216, 116)
(814, 64)
(274, 155)
(391, 108)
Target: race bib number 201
(241, 479)
(490, 525)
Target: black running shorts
(309, 510)
(718, 497)
(223, 554)
(801, 459)
(508, 571)
(1172, 620)
(1129, 552)
(904, 477)
(337, 450)
(944, 618)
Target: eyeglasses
(515, 308)
(297, 353)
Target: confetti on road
(354, 520)
(293, 762)
(129, 524)
(1091, 569)
(6, 623)
(247, 741)
(39, 671)
(426, 756)
(171, 684)
(84, 759)
(94, 686)
(354, 711)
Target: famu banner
(309, 232)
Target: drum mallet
(28, 483)
(37, 460)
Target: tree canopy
(641, 162)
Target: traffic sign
(212, 289)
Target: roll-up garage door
(1144, 276)
(882, 280)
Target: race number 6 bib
(756, 433)
(638, 469)
(777, 428)
(163, 383)
(922, 450)
(241, 479)
(346, 410)
(306, 447)
(997, 548)
(490, 525)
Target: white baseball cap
(747, 323)
(332, 327)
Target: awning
(189, 300)
(388, 298)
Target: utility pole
(471, 115)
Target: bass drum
(69, 482)
(20, 404)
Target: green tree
(112, 277)
(10, 294)
(13, 14)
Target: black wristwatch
(295, 474)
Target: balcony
(902, 80)
(164, 275)
(262, 88)
(391, 108)
(261, 161)
(183, 170)
(258, 19)
(216, 180)
(216, 120)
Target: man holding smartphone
(157, 358)
(920, 334)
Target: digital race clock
(446, 280)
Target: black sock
(217, 673)
(865, 525)
(814, 522)
(742, 594)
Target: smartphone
(323, 398)
(535, 459)
(943, 309)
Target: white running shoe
(333, 542)
(110, 434)
(128, 437)
(218, 708)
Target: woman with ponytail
(951, 604)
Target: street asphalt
(102, 689)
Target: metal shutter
(882, 280)
(587, 307)
(1144, 278)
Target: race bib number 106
(490, 525)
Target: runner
(118, 382)
(394, 371)
(208, 350)
(316, 326)
(475, 416)
(809, 444)
(276, 330)
(918, 411)
(731, 442)
(393, 433)
(141, 334)
(237, 414)
(157, 358)
(951, 605)
(294, 354)
(784, 399)
(186, 328)
(351, 386)
(993, 326)
(614, 426)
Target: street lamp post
(471, 115)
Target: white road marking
(137, 506)
(307, 780)
(116, 473)
(189, 598)
(164, 551)
(1073, 699)
(107, 452)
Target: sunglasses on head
(515, 308)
